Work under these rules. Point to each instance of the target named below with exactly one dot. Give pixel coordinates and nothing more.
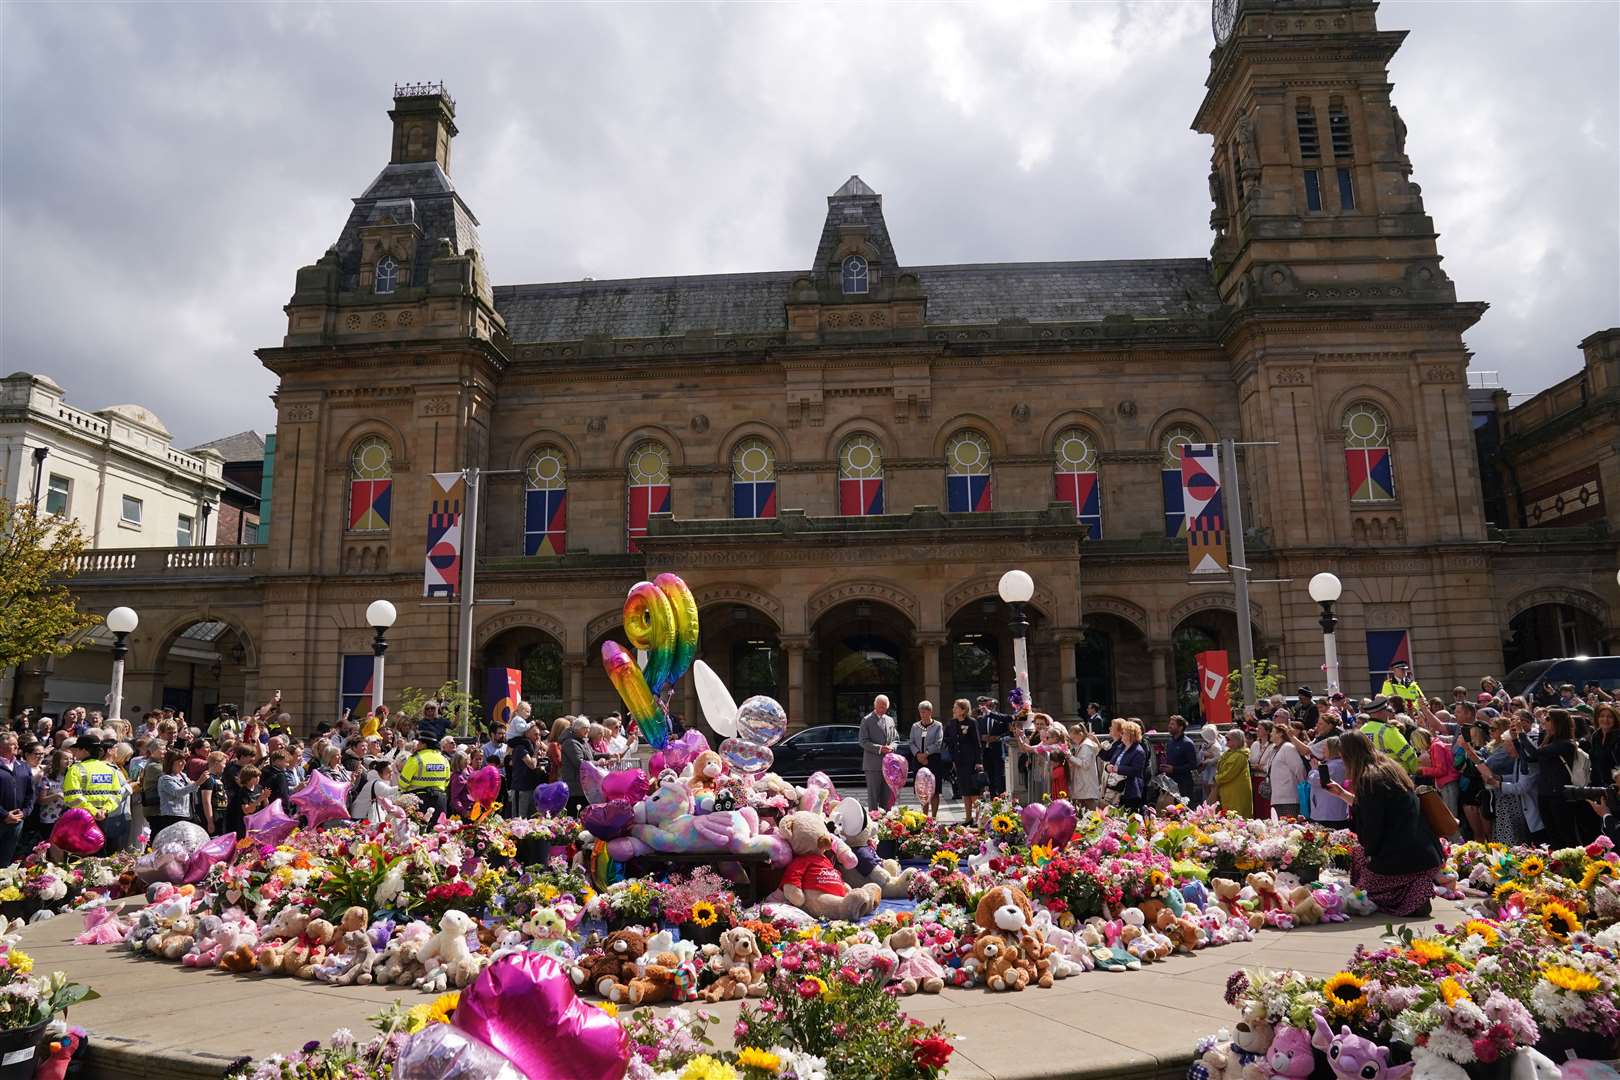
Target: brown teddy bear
(1301, 901)
(310, 950)
(1228, 894)
(735, 964)
(612, 967)
(1182, 931)
(996, 959)
(1005, 909)
(242, 958)
(812, 883)
(655, 982)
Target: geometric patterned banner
(1370, 476)
(441, 570)
(1386, 648)
(503, 691)
(1203, 508)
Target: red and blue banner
(645, 500)
(860, 498)
(369, 503)
(1384, 649)
(1372, 478)
(1203, 508)
(441, 568)
(354, 684)
(1081, 490)
(503, 691)
(1213, 671)
(545, 521)
(968, 494)
(753, 498)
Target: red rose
(931, 1053)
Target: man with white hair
(576, 750)
(877, 737)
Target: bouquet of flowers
(702, 898)
(27, 999)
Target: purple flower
(312, 1046)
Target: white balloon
(719, 707)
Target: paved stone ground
(160, 1020)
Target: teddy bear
(859, 831)
(206, 951)
(546, 931)
(397, 966)
(1136, 943)
(1182, 932)
(1229, 895)
(812, 883)
(736, 964)
(996, 960)
(353, 965)
(1005, 909)
(654, 980)
(1302, 903)
(915, 969)
(446, 958)
(1289, 1056)
(1251, 1038)
(176, 939)
(613, 965)
(1331, 901)
(707, 768)
(309, 951)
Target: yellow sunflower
(1451, 992)
(1040, 854)
(1425, 952)
(1558, 921)
(705, 913)
(1345, 993)
(1003, 824)
(950, 860)
(1532, 866)
(443, 1005)
(1481, 929)
(751, 1057)
(416, 1018)
(1572, 979)
(10, 893)
(1595, 872)
(1502, 892)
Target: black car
(1529, 680)
(834, 749)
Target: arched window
(860, 477)
(387, 277)
(753, 479)
(967, 473)
(648, 490)
(1075, 475)
(371, 481)
(1367, 458)
(545, 503)
(855, 276)
(1179, 435)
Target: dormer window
(387, 274)
(855, 277)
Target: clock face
(1223, 17)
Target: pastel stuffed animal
(917, 969)
(812, 883)
(1290, 1057)
(859, 831)
(446, 958)
(1357, 902)
(1331, 901)
(210, 943)
(1069, 957)
(667, 821)
(737, 963)
(1354, 1058)
(397, 965)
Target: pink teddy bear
(1289, 1057)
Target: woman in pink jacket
(1438, 766)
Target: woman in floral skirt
(1397, 855)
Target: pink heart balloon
(1061, 820)
(270, 825)
(820, 781)
(925, 784)
(894, 772)
(524, 1005)
(627, 785)
(216, 850)
(591, 776)
(76, 831)
(321, 799)
(1033, 818)
(485, 784)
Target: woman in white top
(1287, 771)
(379, 786)
(1211, 747)
(1085, 777)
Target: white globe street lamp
(380, 616)
(1016, 589)
(122, 621)
(1326, 589)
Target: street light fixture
(122, 621)
(1326, 589)
(380, 615)
(1016, 589)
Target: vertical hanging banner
(441, 572)
(1212, 675)
(355, 685)
(1203, 505)
(503, 691)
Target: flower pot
(17, 1050)
(702, 935)
(534, 851)
(1306, 872)
(888, 849)
(1585, 1044)
(20, 909)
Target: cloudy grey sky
(164, 170)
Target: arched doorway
(1203, 631)
(539, 656)
(598, 697)
(862, 649)
(979, 654)
(1551, 630)
(742, 645)
(203, 667)
(1112, 666)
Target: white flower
(1469, 1017)
(342, 1039)
(1451, 1044)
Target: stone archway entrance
(203, 666)
(742, 645)
(1551, 630)
(862, 648)
(539, 656)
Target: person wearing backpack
(1557, 757)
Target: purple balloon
(321, 799)
(894, 773)
(694, 741)
(216, 850)
(591, 776)
(1033, 818)
(608, 820)
(550, 798)
(1061, 820)
(625, 785)
(270, 825)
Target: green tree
(459, 704)
(38, 553)
(1267, 681)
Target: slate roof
(243, 446)
(416, 191)
(755, 303)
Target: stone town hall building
(842, 457)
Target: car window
(1523, 675)
(808, 737)
(843, 734)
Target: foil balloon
(76, 832)
(161, 864)
(1061, 821)
(894, 773)
(184, 835)
(441, 1052)
(925, 784)
(1033, 818)
(719, 708)
(270, 825)
(637, 696)
(321, 799)
(625, 785)
(550, 798)
(821, 781)
(524, 1006)
(749, 757)
(216, 850)
(591, 776)
(660, 620)
(683, 607)
(761, 719)
(608, 820)
(485, 785)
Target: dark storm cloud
(165, 170)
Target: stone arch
(1212, 601)
(860, 425)
(884, 592)
(544, 437)
(1171, 417)
(1079, 418)
(1134, 614)
(964, 421)
(758, 429)
(1333, 422)
(177, 625)
(1045, 601)
(487, 630)
(1579, 599)
(605, 624)
(762, 602)
(643, 433)
(399, 458)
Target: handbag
(1442, 822)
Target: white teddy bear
(446, 958)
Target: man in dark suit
(993, 728)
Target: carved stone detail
(438, 407)
(1212, 602)
(298, 414)
(486, 631)
(893, 595)
(595, 425)
(740, 594)
(967, 592)
(700, 423)
(1440, 373)
(1578, 599)
(1290, 376)
(1134, 614)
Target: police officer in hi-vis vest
(100, 787)
(426, 774)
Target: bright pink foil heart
(216, 850)
(270, 825)
(524, 1006)
(76, 831)
(321, 799)
(627, 785)
(485, 784)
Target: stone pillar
(1162, 674)
(1066, 643)
(794, 647)
(575, 666)
(931, 689)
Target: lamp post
(380, 616)
(122, 621)
(1016, 588)
(1325, 589)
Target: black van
(1529, 679)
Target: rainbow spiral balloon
(660, 619)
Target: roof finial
(854, 187)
